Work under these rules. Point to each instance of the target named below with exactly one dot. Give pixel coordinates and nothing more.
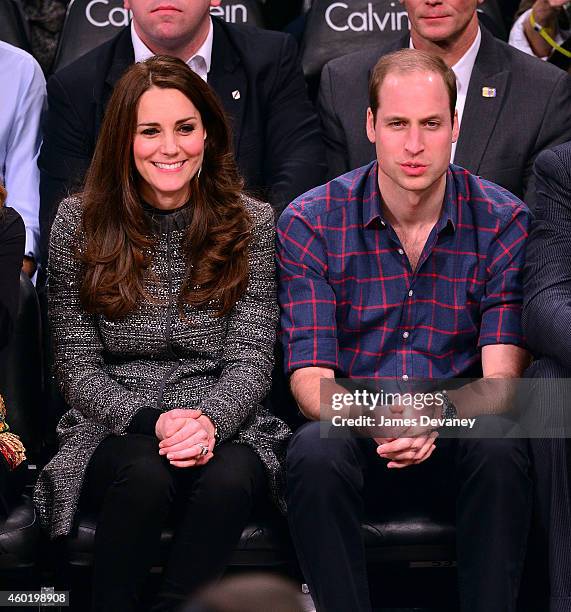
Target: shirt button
(401, 252)
(405, 335)
(383, 223)
(410, 293)
(405, 376)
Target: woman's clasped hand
(186, 437)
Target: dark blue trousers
(330, 480)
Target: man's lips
(413, 168)
(165, 7)
(434, 17)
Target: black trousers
(330, 481)
(137, 491)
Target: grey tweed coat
(154, 358)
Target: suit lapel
(481, 111)
(113, 65)
(228, 79)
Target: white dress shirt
(199, 63)
(21, 104)
(463, 71)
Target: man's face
(437, 20)
(413, 132)
(170, 23)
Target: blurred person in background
(12, 452)
(23, 100)
(251, 593)
(543, 29)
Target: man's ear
(455, 127)
(213, 3)
(127, 5)
(371, 126)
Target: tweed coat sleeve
(547, 272)
(248, 353)
(78, 351)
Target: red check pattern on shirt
(351, 302)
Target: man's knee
(496, 459)
(317, 458)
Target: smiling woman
(168, 147)
(163, 312)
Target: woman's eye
(186, 128)
(150, 131)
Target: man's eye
(186, 128)
(432, 124)
(397, 124)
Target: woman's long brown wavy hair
(116, 234)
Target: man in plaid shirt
(406, 268)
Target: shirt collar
(372, 207)
(464, 66)
(200, 62)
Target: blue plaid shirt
(351, 302)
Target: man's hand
(406, 451)
(188, 435)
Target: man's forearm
(546, 16)
(307, 389)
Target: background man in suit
(510, 105)
(547, 325)
(255, 73)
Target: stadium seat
(490, 16)
(335, 28)
(90, 23)
(13, 25)
(21, 388)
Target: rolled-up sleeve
(501, 307)
(307, 300)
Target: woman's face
(168, 147)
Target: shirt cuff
(312, 352)
(31, 249)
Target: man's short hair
(407, 61)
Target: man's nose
(414, 142)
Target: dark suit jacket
(547, 272)
(499, 137)
(276, 131)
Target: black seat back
(240, 12)
(336, 28)
(490, 15)
(90, 23)
(21, 376)
(13, 25)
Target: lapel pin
(489, 92)
(236, 94)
